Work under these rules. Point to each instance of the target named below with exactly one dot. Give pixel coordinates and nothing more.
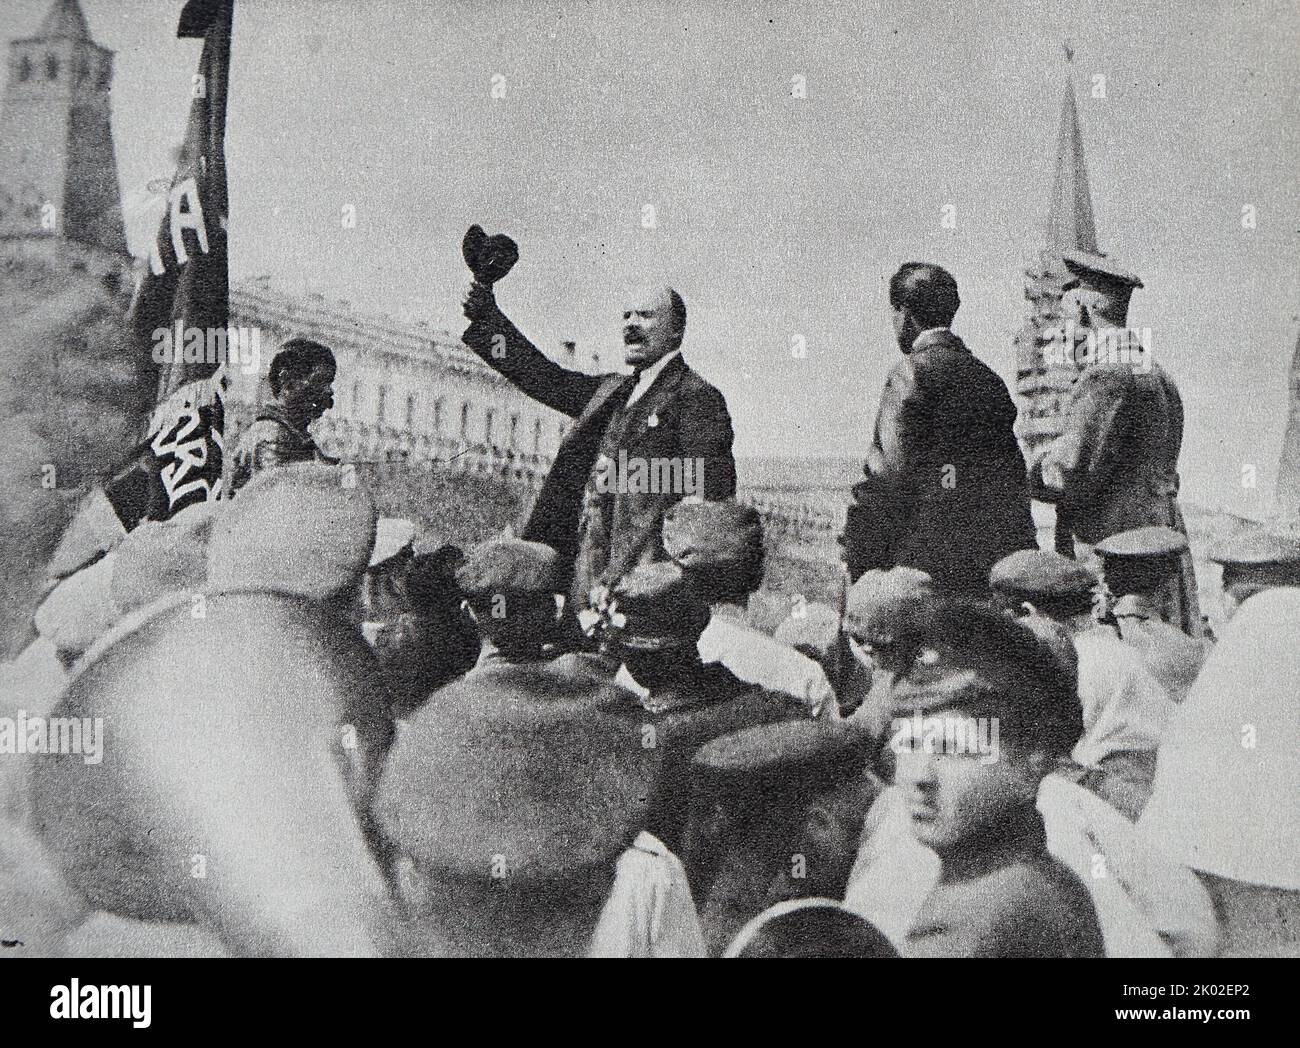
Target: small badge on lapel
(652, 421)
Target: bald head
(654, 323)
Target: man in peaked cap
(719, 545)
(1124, 706)
(1255, 560)
(652, 627)
(511, 800)
(983, 714)
(1115, 464)
(511, 588)
(1048, 582)
(775, 814)
(1138, 566)
(1228, 774)
(413, 617)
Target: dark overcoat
(681, 416)
(945, 488)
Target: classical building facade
(404, 392)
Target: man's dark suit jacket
(945, 489)
(679, 416)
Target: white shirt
(648, 375)
(756, 658)
(1228, 769)
(650, 911)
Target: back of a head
(719, 545)
(431, 582)
(513, 797)
(926, 291)
(296, 358)
(810, 928)
(510, 585)
(882, 602)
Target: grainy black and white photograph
(595, 478)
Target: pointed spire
(1070, 222)
(65, 19)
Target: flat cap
(792, 760)
(654, 606)
(1143, 543)
(304, 529)
(716, 535)
(1038, 575)
(1257, 546)
(508, 565)
(877, 603)
(1098, 271)
(981, 659)
(530, 770)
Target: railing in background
(804, 529)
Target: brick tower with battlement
(1041, 387)
(59, 195)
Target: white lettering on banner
(188, 453)
(186, 213)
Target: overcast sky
(775, 216)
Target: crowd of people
(327, 733)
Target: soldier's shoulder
(1107, 376)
